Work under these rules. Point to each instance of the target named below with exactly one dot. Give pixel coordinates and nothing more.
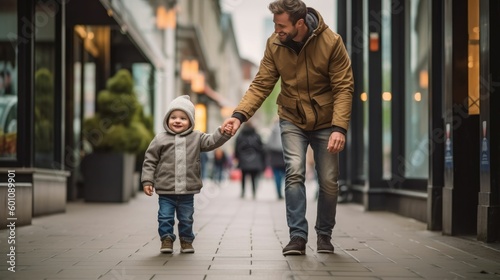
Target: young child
(172, 167)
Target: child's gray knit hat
(183, 103)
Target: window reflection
(143, 73)
(417, 94)
(8, 80)
(44, 86)
(386, 89)
(362, 169)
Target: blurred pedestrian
(249, 152)
(274, 151)
(314, 106)
(172, 168)
(220, 165)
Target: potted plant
(118, 132)
(44, 118)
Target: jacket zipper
(309, 92)
(307, 77)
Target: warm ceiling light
(189, 68)
(198, 83)
(165, 18)
(364, 97)
(424, 79)
(387, 96)
(418, 96)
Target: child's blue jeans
(183, 207)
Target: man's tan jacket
(316, 84)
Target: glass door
(84, 95)
(417, 89)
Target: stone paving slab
(238, 239)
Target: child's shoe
(187, 247)
(167, 246)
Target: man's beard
(290, 36)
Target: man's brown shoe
(296, 246)
(324, 244)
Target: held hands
(336, 142)
(149, 190)
(227, 129)
(231, 125)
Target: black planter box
(108, 177)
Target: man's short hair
(296, 9)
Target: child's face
(178, 121)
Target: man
(314, 107)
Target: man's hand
(336, 142)
(149, 190)
(231, 122)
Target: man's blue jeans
(169, 206)
(295, 142)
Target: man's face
(284, 28)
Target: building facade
(57, 56)
(424, 139)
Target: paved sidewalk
(238, 239)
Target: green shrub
(119, 124)
(44, 111)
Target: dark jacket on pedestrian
(249, 150)
(274, 148)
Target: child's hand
(149, 190)
(228, 129)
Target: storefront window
(143, 73)
(386, 88)
(77, 100)
(8, 80)
(89, 87)
(473, 61)
(44, 85)
(417, 93)
(363, 169)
